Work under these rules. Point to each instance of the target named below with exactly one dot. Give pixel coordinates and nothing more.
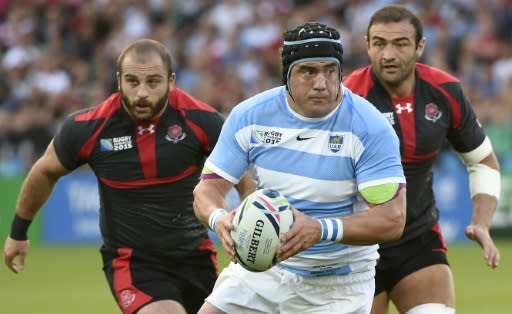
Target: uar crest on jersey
(335, 142)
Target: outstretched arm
(35, 191)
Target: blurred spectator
(499, 126)
(59, 56)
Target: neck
(402, 89)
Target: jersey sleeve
(229, 159)
(69, 140)
(466, 132)
(379, 162)
(208, 126)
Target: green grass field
(70, 280)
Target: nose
(388, 53)
(142, 91)
(320, 81)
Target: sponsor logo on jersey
(405, 108)
(300, 138)
(175, 134)
(116, 144)
(335, 142)
(432, 112)
(150, 129)
(390, 117)
(268, 137)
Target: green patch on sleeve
(380, 193)
(206, 170)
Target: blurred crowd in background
(60, 56)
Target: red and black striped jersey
(437, 114)
(146, 171)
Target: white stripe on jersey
(301, 140)
(305, 188)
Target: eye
(306, 71)
(132, 81)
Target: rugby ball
(259, 222)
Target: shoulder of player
(193, 109)
(434, 75)
(357, 73)
(181, 100)
(263, 103)
(365, 116)
(358, 79)
(87, 120)
(102, 111)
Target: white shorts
(279, 291)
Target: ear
(172, 80)
(118, 76)
(367, 41)
(421, 47)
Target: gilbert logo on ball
(260, 221)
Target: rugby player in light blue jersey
(335, 158)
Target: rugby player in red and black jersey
(427, 108)
(146, 144)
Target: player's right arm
(210, 208)
(35, 191)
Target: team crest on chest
(175, 134)
(335, 142)
(432, 112)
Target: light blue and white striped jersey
(319, 164)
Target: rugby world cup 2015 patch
(116, 144)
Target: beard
(400, 75)
(141, 109)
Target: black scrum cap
(309, 42)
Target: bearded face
(144, 84)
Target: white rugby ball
(258, 224)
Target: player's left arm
(468, 138)
(383, 221)
(485, 186)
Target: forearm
(381, 223)
(245, 186)
(484, 206)
(35, 191)
(209, 195)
